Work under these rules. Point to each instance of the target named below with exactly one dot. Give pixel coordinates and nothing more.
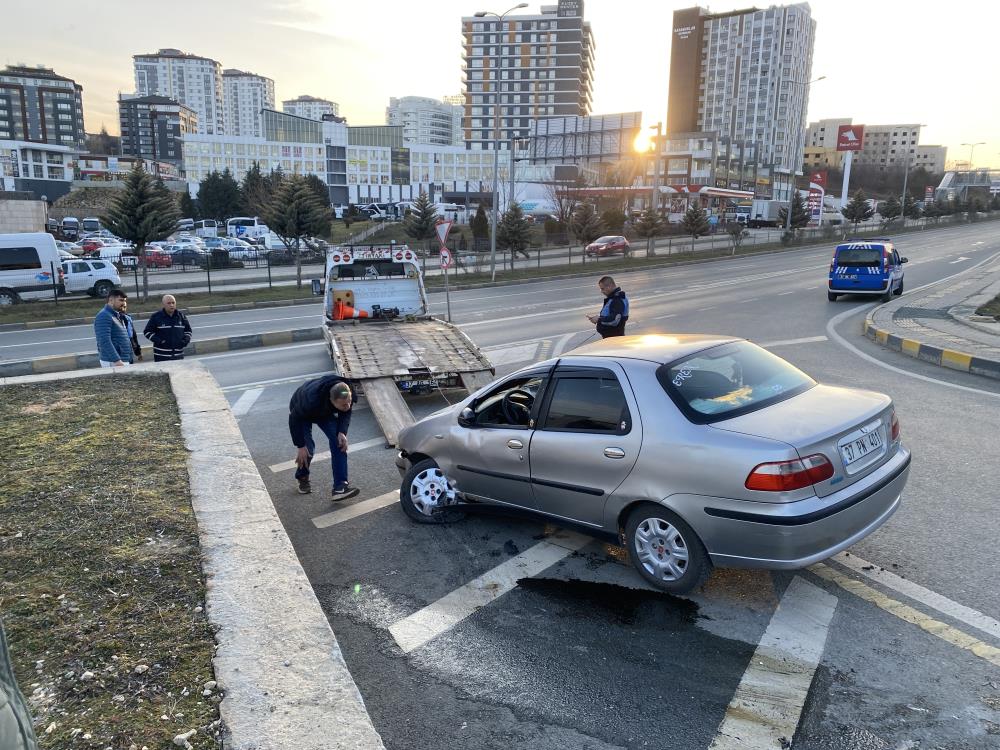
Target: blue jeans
(338, 457)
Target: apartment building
(426, 120)
(310, 107)
(527, 67)
(153, 127)
(191, 80)
(245, 96)
(38, 105)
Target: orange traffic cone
(346, 312)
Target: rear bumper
(858, 290)
(795, 535)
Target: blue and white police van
(871, 267)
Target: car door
(80, 277)
(898, 268)
(490, 454)
(586, 442)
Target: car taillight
(833, 263)
(895, 426)
(782, 476)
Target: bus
(246, 226)
(206, 228)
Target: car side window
(80, 267)
(895, 258)
(588, 403)
(511, 404)
(98, 265)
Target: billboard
(850, 137)
(817, 189)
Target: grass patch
(991, 308)
(89, 307)
(101, 588)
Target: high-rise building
(543, 66)
(154, 127)
(426, 120)
(38, 105)
(310, 107)
(244, 96)
(189, 79)
(745, 75)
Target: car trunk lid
(851, 427)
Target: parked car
(69, 247)
(157, 258)
(90, 244)
(238, 249)
(695, 451)
(608, 245)
(93, 277)
(187, 255)
(28, 262)
(121, 255)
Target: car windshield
(603, 240)
(859, 256)
(729, 380)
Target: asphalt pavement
(899, 638)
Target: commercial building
(45, 169)
(931, 158)
(99, 168)
(823, 133)
(600, 139)
(822, 157)
(310, 107)
(426, 120)
(244, 96)
(538, 65)
(192, 80)
(153, 127)
(38, 105)
(744, 75)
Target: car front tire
(103, 288)
(665, 550)
(426, 492)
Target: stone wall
(22, 216)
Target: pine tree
(188, 207)
(319, 189)
(480, 226)
(910, 208)
(255, 192)
(294, 214)
(890, 210)
(695, 222)
(144, 211)
(420, 224)
(585, 224)
(514, 231)
(219, 196)
(649, 226)
(858, 210)
(800, 216)
(614, 220)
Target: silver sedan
(692, 451)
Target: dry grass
(991, 308)
(100, 570)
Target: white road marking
(918, 593)
(43, 343)
(810, 288)
(274, 381)
(259, 350)
(702, 309)
(961, 259)
(560, 345)
(765, 710)
(246, 401)
(327, 520)
(792, 342)
(752, 299)
(664, 317)
(511, 354)
(325, 455)
(783, 294)
(420, 627)
(257, 322)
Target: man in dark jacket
(169, 331)
(325, 402)
(613, 316)
(113, 346)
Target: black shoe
(304, 487)
(344, 493)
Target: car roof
(655, 347)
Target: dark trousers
(338, 457)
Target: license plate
(866, 443)
(408, 384)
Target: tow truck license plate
(408, 384)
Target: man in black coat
(169, 331)
(614, 313)
(327, 403)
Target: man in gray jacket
(114, 348)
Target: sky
(885, 61)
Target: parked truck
(764, 213)
(381, 337)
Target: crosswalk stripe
(246, 401)
(420, 627)
(340, 515)
(325, 455)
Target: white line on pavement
(918, 593)
(257, 322)
(663, 317)
(765, 710)
(792, 342)
(246, 401)
(260, 350)
(702, 309)
(325, 455)
(782, 294)
(43, 343)
(509, 355)
(420, 627)
(563, 341)
(353, 511)
(275, 381)
(752, 299)
(961, 259)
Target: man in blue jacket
(169, 331)
(114, 348)
(325, 402)
(614, 314)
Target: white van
(29, 267)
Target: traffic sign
(442, 228)
(445, 258)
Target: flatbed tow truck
(380, 335)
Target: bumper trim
(816, 515)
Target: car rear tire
(665, 550)
(103, 288)
(887, 296)
(8, 297)
(426, 492)
(831, 296)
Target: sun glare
(642, 142)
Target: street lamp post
(972, 150)
(496, 131)
(654, 204)
(794, 156)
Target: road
(581, 654)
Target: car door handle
(515, 445)
(614, 453)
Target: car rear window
(730, 380)
(859, 256)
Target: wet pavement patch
(626, 605)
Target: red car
(157, 258)
(608, 245)
(91, 245)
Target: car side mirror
(904, 260)
(467, 417)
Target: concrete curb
(277, 660)
(950, 358)
(67, 362)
